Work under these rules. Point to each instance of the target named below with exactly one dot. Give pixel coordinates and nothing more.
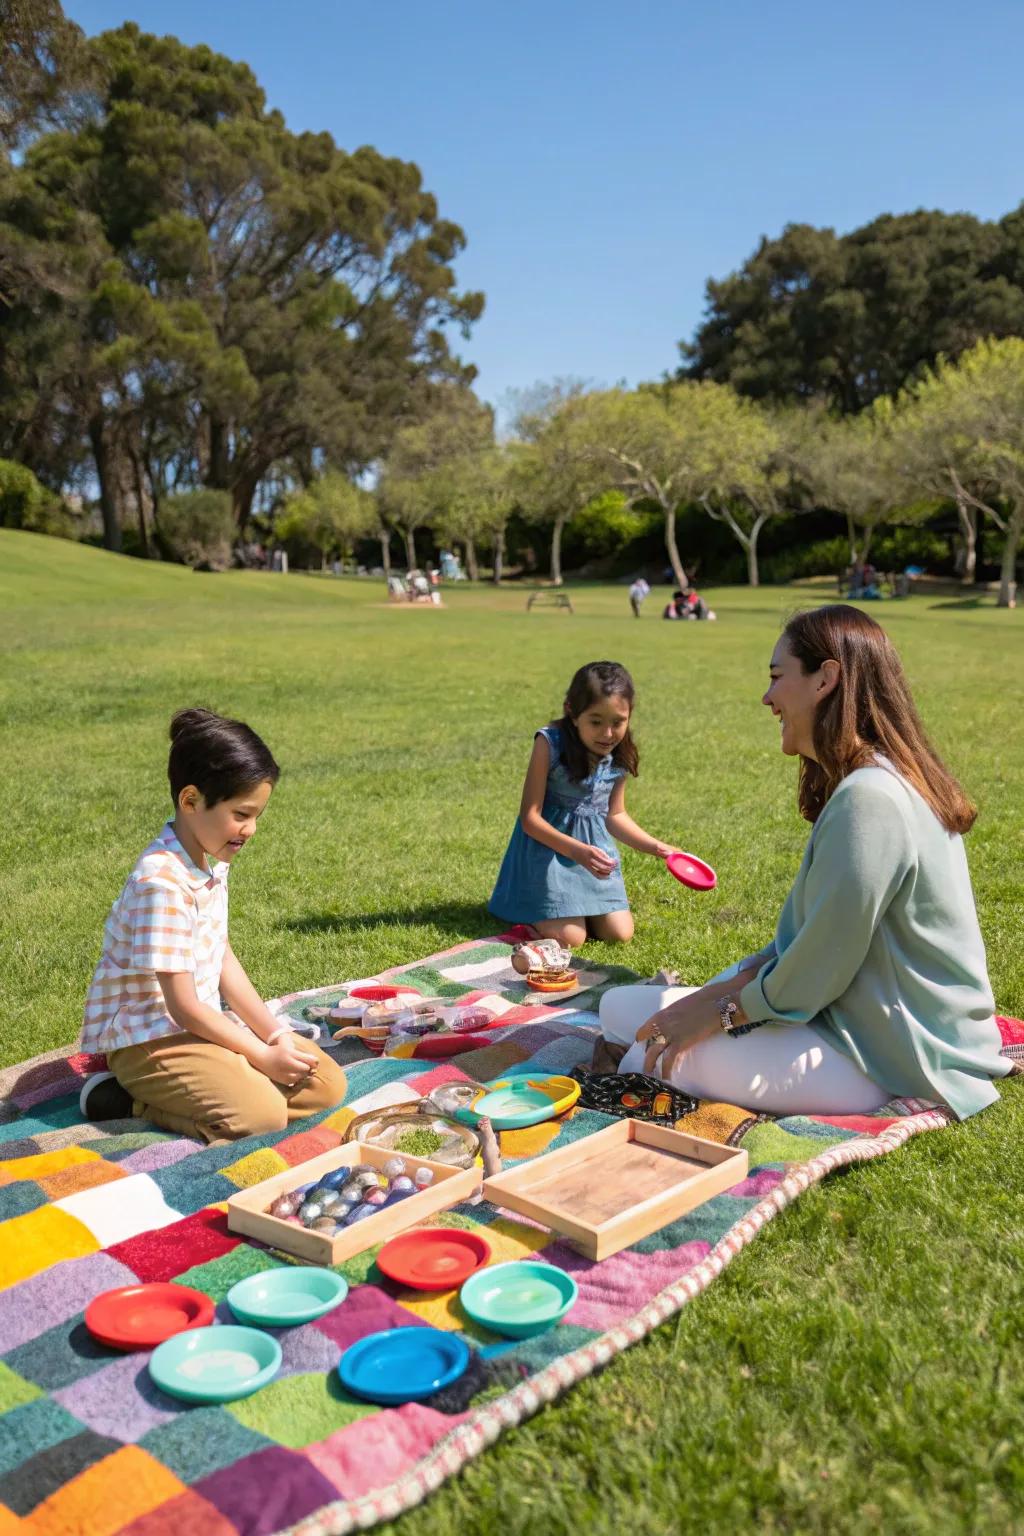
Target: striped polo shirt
(171, 916)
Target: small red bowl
(433, 1258)
(143, 1316)
(691, 871)
(377, 993)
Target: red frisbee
(692, 872)
(142, 1316)
(433, 1258)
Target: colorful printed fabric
(171, 916)
(90, 1447)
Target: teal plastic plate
(522, 1101)
(216, 1364)
(280, 1298)
(520, 1298)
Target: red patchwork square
(169, 1251)
(306, 1144)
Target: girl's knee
(328, 1085)
(570, 932)
(255, 1118)
(613, 927)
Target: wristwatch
(727, 1010)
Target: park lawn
(859, 1368)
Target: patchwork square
(56, 1294)
(264, 1163)
(14, 1389)
(217, 1277)
(200, 1441)
(61, 1355)
(139, 1484)
(366, 1310)
(165, 1254)
(40, 1238)
(298, 1410)
(48, 1470)
(44, 1163)
(359, 1460)
(268, 1491)
(158, 1154)
(19, 1199)
(113, 1213)
(186, 1515)
(303, 1145)
(120, 1401)
(69, 1181)
(32, 1428)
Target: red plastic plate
(433, 1258)
(376, 994)
(691, 871)
(142, 1316)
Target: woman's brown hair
(869, 714)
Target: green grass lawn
(858, 1369)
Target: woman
(875, 985)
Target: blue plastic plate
(401, 1365)
(216, 1364)
(515, 1102)
(520, 1298)
(280, 1298)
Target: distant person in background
(676, 609)
(637, 592)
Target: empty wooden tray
(247, 1211)
(619, 1185)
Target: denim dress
(534, 881)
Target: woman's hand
(286, 1062)
(677, 1028)
(597, 861)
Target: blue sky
(606, 159)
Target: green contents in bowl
(419, 1143)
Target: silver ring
(657, 1039)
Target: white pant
(777, 1069)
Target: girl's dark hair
(222, 758)
(869, 714)
(598, 679)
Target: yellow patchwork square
(106, 1496)
(43, 1163)
(15, 1390)
(340, 1120)
(253, 1169)
(10, 1525)
(40, 1238)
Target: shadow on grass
(469, 919)
(962, 602)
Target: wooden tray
(619, 1185)
(247, 1211)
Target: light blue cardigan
(878, 948)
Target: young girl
(561, 873)
(158, 1000)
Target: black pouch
(632, 1096)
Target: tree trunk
(242, 493)
(140, 503)
(385, 550)
(869, 534)
(682, 581)
(753, 574)
(472, 565)
(499, 556)
(1008, 568)
(556, 550)
(109, 482)
(410, 548)
(968, 519)
(851, 536)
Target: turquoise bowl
(520, 1298)
(215, 1364)
(281, 1298)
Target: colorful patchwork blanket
(90, 1447)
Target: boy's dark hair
(222, 758)
(598, 679)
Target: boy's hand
(597, 862)
(286, 1062)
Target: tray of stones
(334, 1237)
(609, 1190)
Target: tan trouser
(203, 1090)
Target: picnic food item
(520, 1299)
(142, 1316)
(540, 955)
(551, 980)
(402, 1365)
(433, 1258)
(691, 871)
(215, 1365)
(282, 1298)
(610, 1189)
